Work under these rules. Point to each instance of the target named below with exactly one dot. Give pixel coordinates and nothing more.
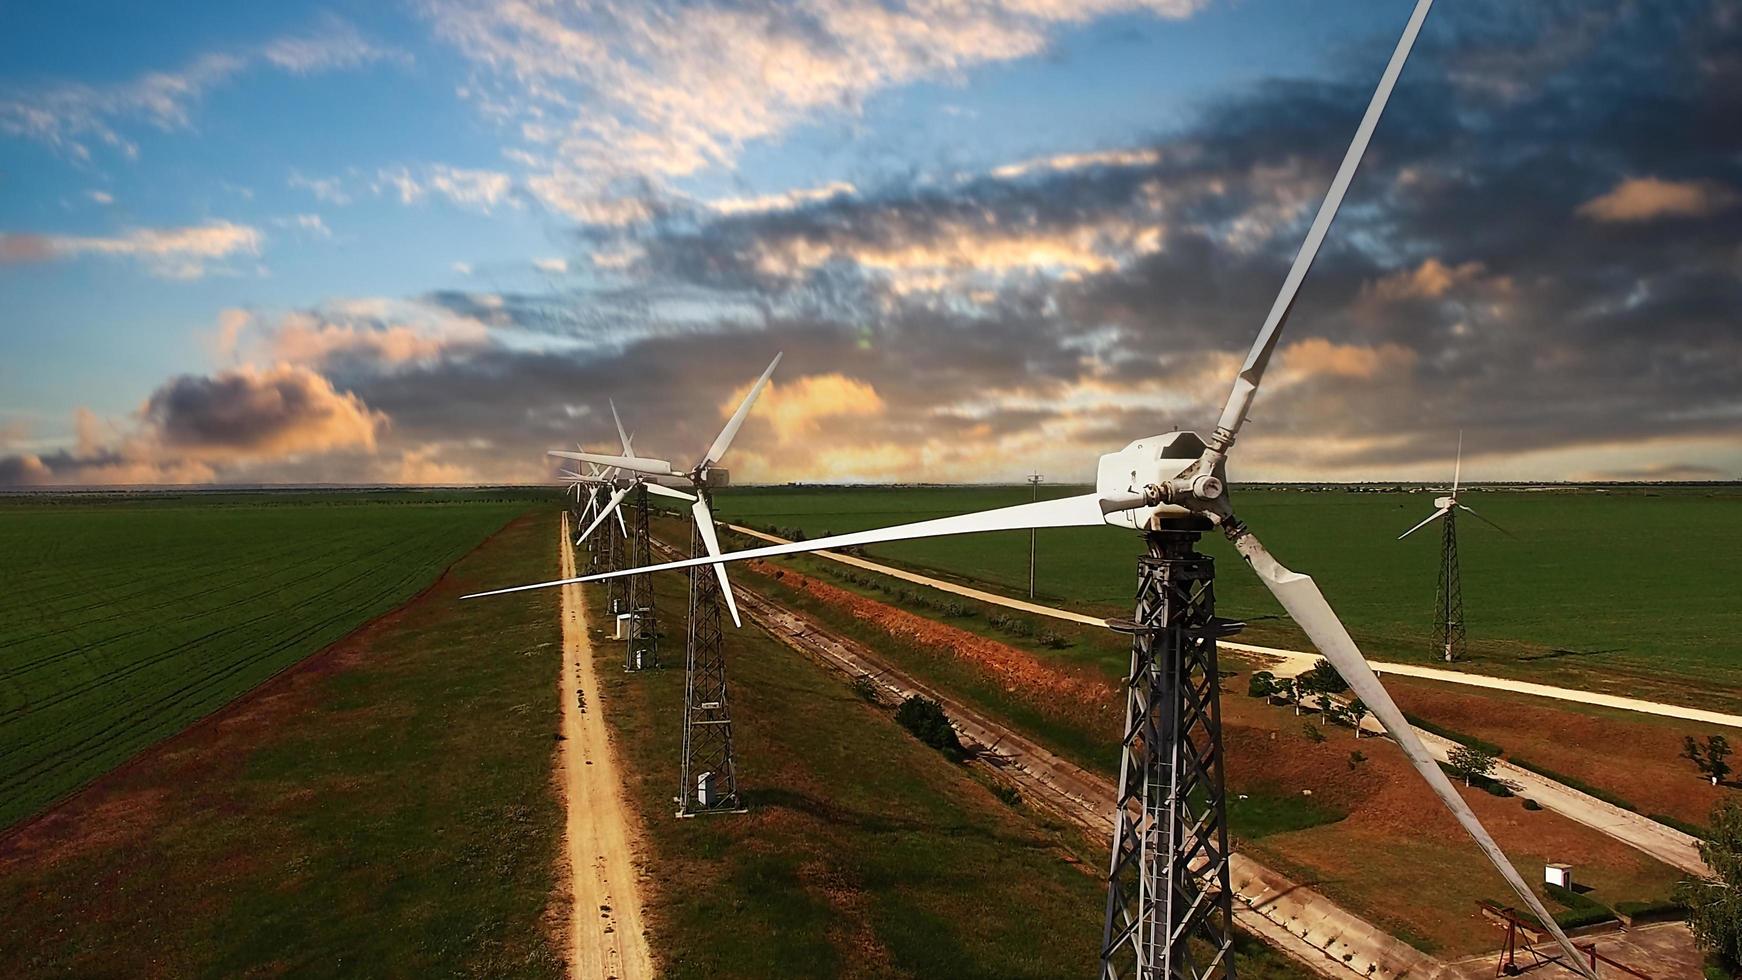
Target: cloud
(100, 197)
(604, 91)
(310, 224)
(551, 266)
(328, 189)
(249, 412)
(784, 201)
(479, 190)
(1318, 357)
(71, 118)
(795, 408)
(1650, 198)
(168, 253)
(1432, 279)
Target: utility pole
(1034, 495)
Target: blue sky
(417, 242)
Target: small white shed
(1558, 874)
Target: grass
(1259, 812)
(865, 852)
(386, 809)
(1550, 613)
(128, 618)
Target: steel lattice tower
(616, 546)
(599, 545)
(1169, 904)
(709, 781)
(1449, 602)
(642, 651)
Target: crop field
(124, 620)
(1614, 589)
(381, 808)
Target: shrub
(927, 721)
(1312, 732)
(1051, 640)
(957, 610)
(1456, 736)
(1530, 804)
(1691, 829)
(1575, 783)
(865, 687)
(1356, 758)
(1663, 909)
(1261, 685)
(1496, 788)
(1007, 794)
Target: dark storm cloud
(284, 409)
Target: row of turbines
(1168, 912)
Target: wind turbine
(1168, 897)
(708, 781)
(1449, 599)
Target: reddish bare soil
(1636, 757)
(1397, 857)
(1054, 687)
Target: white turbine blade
(1084, 511)
(1486, 521)
(571, 474)
(1301, 597)
(1436, 515)
(638, 464)
(711, 541)
(623, 437)
(616, 498)
(724, 440)
(1458, 467)
(1252, 372)
(667, 491)
(621, 526)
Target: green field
(384, 809)
(125, 619)
(1637, 585)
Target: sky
(426, 241)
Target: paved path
(607, 936)
(1681, 712)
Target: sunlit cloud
(1650, 198)
(168, 253)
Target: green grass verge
(865, 852)
(386, 810)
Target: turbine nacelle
(1174, 471)
(1445, 503)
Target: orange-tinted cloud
(1430, 280)
(794, 408)
(1647, 198)
(250, 412)
(1317, 356)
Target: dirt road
(1303, 658)
(607, 938)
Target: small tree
(1324, 677)
(1715, 904)
(1323, 701)
(1291, 692)
(1471, 763)
(1357, 710)
(1717, 752)
(926, 719)
(1261, 685)
(1712, 760)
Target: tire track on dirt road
(608, 939)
